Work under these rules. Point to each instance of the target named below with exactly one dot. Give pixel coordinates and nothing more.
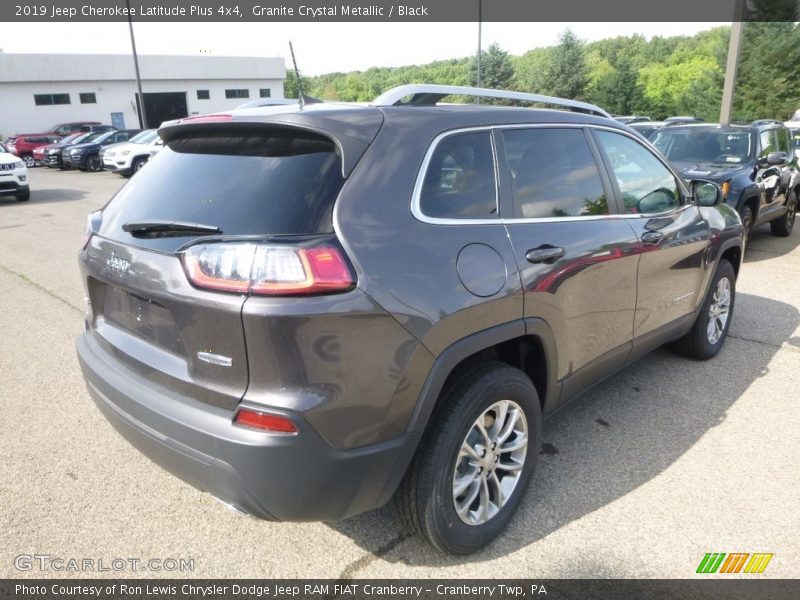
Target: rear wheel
(474, 465)
(783, 227)
(28, 160)
(709, 331)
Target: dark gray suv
(309, 310)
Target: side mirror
(706, 193)
(657, 201)
(776, 158)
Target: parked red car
(39, 153)
(24, 145)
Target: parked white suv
(128, 157)
(13, 176)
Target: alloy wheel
(490, 462)
(719, 310)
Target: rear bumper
(272, 476)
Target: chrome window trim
(416, 209)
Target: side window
(783, 140)
(768, 144)
(460, 181)
(554, 173)
(646, 185)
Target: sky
(319, 47)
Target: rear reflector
(264, 422)
(268, 269)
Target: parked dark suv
(86, 154)
(753, 163)
(307, 311)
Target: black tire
(696, 344)
(783, 227)
(23, 196)
(747, 224)
(137, 164)
(93, 163)
(425, 499)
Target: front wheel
(472, 469)
(28, 160)
(23, 196)
(94, 164)
(709, 331)
(137, 165)
(783, 227)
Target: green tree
(565, 75)
(497, 70)
(530, 69)
(290, 85)
(768, 81)
(614, 88)
(625, 75)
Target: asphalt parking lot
(639, 477)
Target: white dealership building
(40, 90)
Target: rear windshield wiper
(167, 228)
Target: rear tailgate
(244, 183)
(146, 312)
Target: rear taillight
(264, 422)
(268, 269)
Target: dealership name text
(282, 591)
(311, 12)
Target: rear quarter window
(459, 180)
(259, 182)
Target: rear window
(259, 182)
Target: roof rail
(429, 94)
(766, 122)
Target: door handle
(544, 253)
(652, 237)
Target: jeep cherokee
(308, 310)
